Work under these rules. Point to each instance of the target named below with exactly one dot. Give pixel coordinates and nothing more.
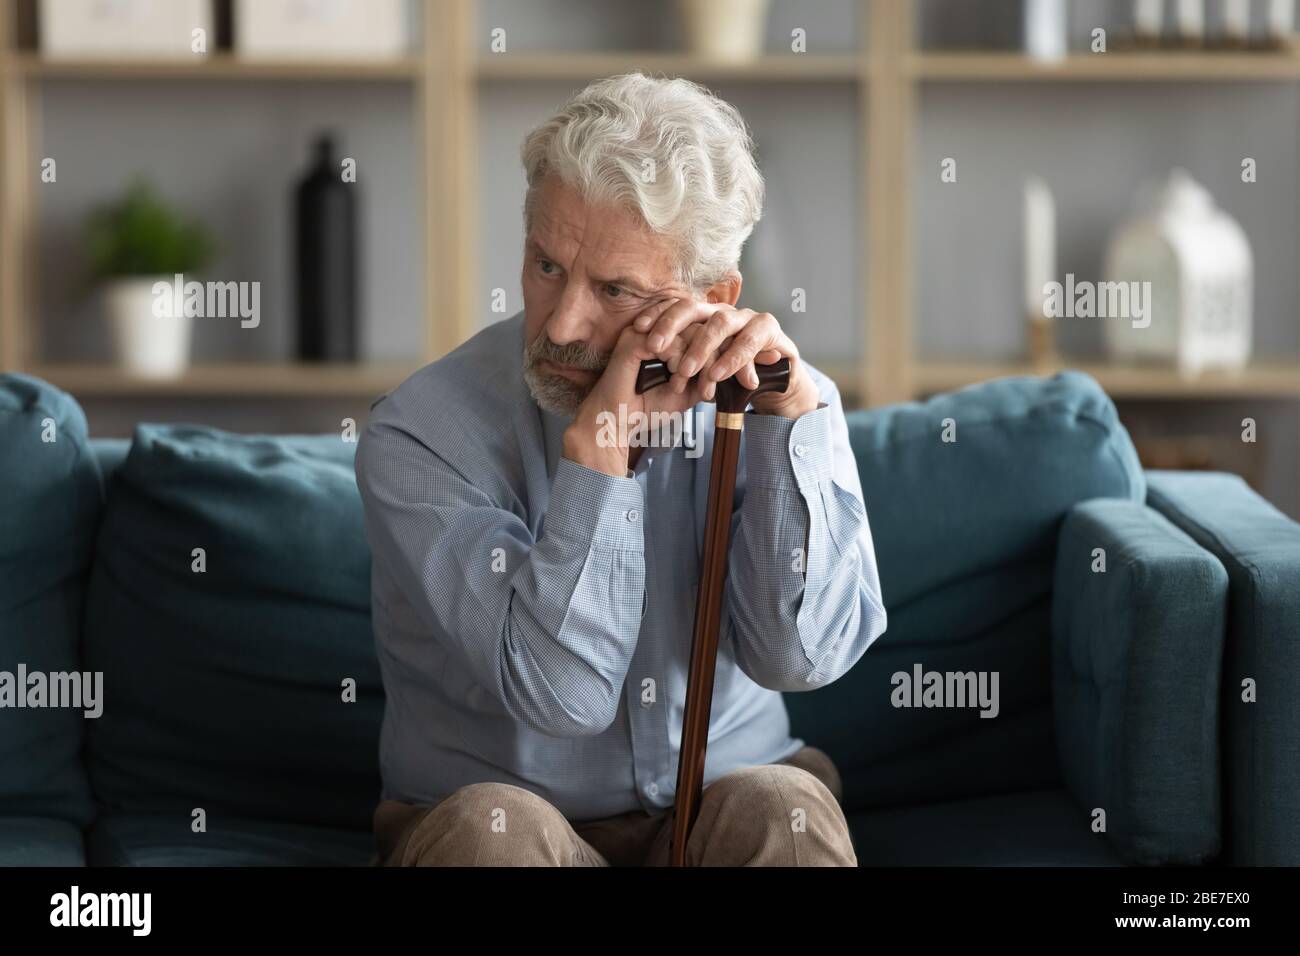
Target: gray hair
(677, 155)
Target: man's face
(588, 272)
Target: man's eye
(544, 263)
(615, 293)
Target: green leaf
(140, 235)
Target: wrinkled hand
(713, 339)
(718, 341)
(614, 394)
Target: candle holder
(1043, 354)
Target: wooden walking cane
(731, 398)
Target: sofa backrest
(228, 605)
(228, 608)
(965, 494)
(110, 454)
(50, 496)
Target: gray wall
(229, 154)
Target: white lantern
(1192, 264)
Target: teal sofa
(1143, 626)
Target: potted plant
(134, 243)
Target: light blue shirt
(533, 617)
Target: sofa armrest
(1136, 662)
(1260, 549)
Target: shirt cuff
(788, 452)
(596, 508)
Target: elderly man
(535, 569)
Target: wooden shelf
(231, 380)
(220, 66)
(847, 376)
(1118, 67)
(1260, 380)
(587, 66)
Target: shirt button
(652, 789)
(800, 451)
(631, 514)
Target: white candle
(1281, 19)
(1045, 29)
(1236, 19)
(1040, 243)
(1191, 19)
(1147, 15)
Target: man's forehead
(614, 247)
(609, 229)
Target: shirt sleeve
(548, 624)
(803, 590)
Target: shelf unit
(1269, 380)
(1116, 67)
(218, 66)
(588, 66)
(438, 73)
(888, 69)
(244, 379)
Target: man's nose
(573, 319)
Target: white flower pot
(147, 344)
(724, 29)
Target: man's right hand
(616, 388)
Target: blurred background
(931, 166)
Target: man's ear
(725, 290)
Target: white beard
(554, 393)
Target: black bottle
(326, 217)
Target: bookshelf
(243, 379)
(1112, 67)
(1267, 380)
(218, 66)
(436, 73)
(446, 73)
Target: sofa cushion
(965, 536)
(228, 609)
(48, 508)
(110, 453)
(155, 839)
(1031, 828)
(888, 755)
(1024, 450)
(40, 841)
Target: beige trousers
(785, 814)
